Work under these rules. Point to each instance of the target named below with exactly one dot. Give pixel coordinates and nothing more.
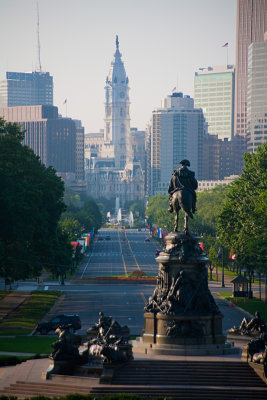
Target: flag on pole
(233, 256)
(173, 90)
(65, 101)
(225, 44)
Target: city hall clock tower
(117, 140)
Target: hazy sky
(162, 42)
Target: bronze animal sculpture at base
(107, 346)
(255, 327)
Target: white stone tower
(117, 138)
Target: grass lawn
(250, 305)
(25, 318)
(27, 344)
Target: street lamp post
(223, 285)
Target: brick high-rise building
(222, 157)
(250, 27)
(53, 139)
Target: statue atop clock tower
(117, 140)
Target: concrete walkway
(11, 302)
(29, 371)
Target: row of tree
(33, 212)
(233, 216)
(82, 214)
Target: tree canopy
(243, 220)
(82, 214)
(209, 204)
(31, 203)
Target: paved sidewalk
(30, 371)
(11, 302)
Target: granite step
(143, 372)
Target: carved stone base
(183, 330)
(185, 350)
(182, 313)
(60, 368)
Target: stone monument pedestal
(182, 316)
(183, 330)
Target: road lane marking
(143, 297)
(85, 268)
(130, 247)
(124, 265)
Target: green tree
(31, 202)
(72, 199)
(138, 209)
(70, 226)
(209, 204)
(81, 216)
(243, 220)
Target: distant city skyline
(162, 46)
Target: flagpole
(66, 108)
(226, 56)
(223, 285)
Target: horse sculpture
(182, 193)
(182, 200)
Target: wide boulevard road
(124, 301)
(119, 252)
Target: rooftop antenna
(38, 41)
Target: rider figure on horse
(183, 178)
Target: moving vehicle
(72, 320)
(147, 240)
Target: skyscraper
(176, 133)
(257, 95)
(26, 89)
(214, 93)
(52, 138)
(250, 27)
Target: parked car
(108, 238)
(157, 252)
(147, 239)
(72, 320)
(100, 238)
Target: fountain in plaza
(117, 205)
(119, 217)
(131, 218)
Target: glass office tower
(214, 93)
(257, 95)
(26, 89)
(251, 23)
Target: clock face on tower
(122, 94)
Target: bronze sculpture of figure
(182, 195)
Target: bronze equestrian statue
(182, 195)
